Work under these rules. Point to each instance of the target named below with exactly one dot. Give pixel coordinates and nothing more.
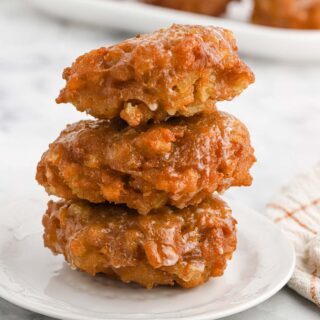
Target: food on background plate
(179, 71)
(169, 246)
(208, 7)
(296, 14)
(178, 162)
(137, 183)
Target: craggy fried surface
(179, 162)
(208, 7)
(168, 246)
(287, 13)
(181, 70)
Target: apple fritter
(169, 246)
(179, 162)
(207, 7)
(179, 71)
(295, 14)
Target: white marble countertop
(282, 111)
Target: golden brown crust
(294, 14)
(182, 70)
(179, 162)
(208, 7)
(168, 246)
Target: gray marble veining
(282, 111)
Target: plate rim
(257, 41)
(207, 315)
(136, 5)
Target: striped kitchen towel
(296, 210)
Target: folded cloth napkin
(296, 210)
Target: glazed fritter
(179, 71)
(208, 7)
(294, 14)
(168, 246)
(179, 162)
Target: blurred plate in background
(253, 40)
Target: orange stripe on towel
(290, 214)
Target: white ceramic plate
(31, 277)
(275, 43)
